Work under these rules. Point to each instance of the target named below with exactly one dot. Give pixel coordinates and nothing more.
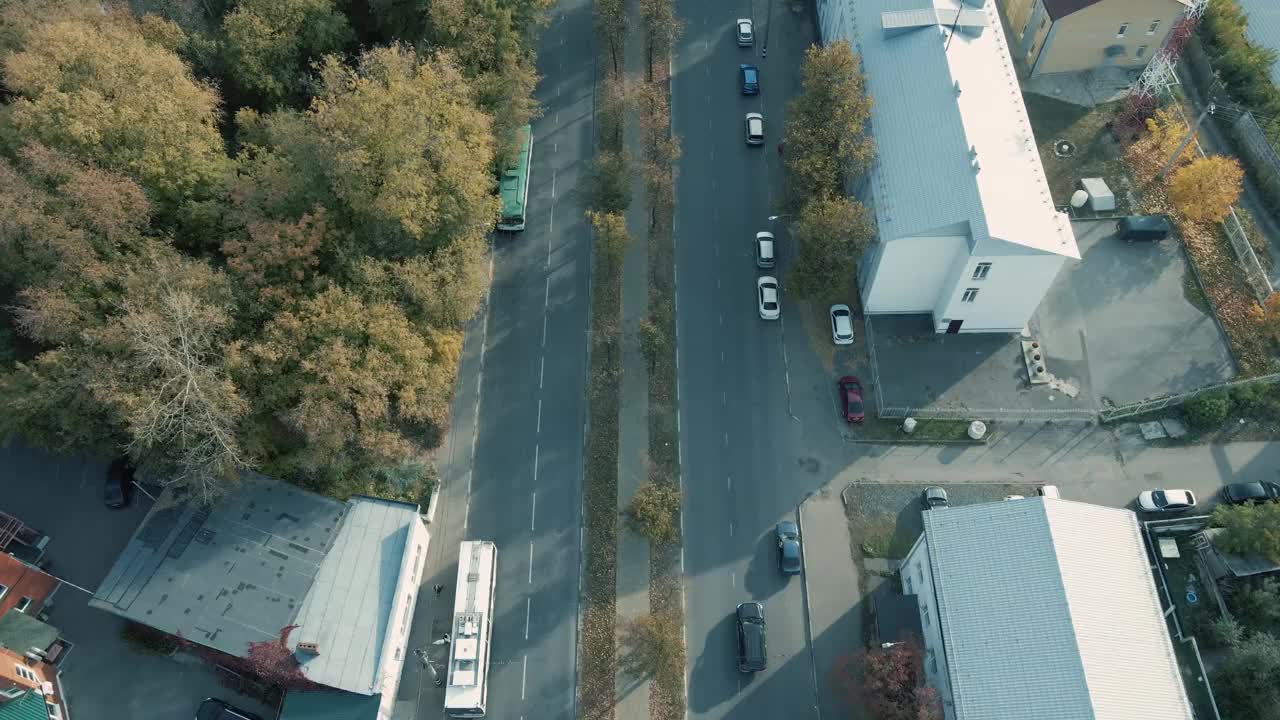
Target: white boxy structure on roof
(968, 232)
(1042, 609)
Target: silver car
(764, 250)
(767, 296)
(746, 32)
(755, 129)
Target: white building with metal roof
(967, 230)
(1042, 609)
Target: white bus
(467, 686)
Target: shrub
(653, 648)
(1207, 411)
(654, 511)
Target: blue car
(750, 79)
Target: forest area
(247, 234)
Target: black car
(1254, 492)
(215, 709)
(752, 656)
(119, 486)
(788, 536)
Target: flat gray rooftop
(227, 575)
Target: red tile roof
(22, 580)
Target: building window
(1044, 21)
(1142, 51)
(54, 712)
(920, 572)
(26, 674)
(1155, 25)
(23, 604)
(906, 586)
(980, 272)
(4, 590)
(969, 295)
(1124, 28)
(924, 615)
(933, 665)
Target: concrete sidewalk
(633, 398)
(832, 598)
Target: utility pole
(1191, 133)
(768, 24)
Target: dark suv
(751, 645)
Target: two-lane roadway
(512, 465)
(749, 416)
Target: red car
(851, 399)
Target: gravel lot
(884, 520)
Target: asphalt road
(757, 424)
(512, 465)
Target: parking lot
(1122, 324)
(105, 678)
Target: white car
(746, 32)
(1166, 500)
(764, 250)
(841, 325)
(767, 297)
(755, 129)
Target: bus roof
(469, 651)
(513, 188)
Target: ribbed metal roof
(1048, 611)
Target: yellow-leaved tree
(1205, 189)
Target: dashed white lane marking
(535, 464)
(728, 483)
(538, 430)
(530, 562)
(726, 439)
(528, 608)
(544, 329)
(553, 184)
(542, 368)
(533, 510)
(730, 533)
(524, 672)
(733, 580)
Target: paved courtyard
(105, 678)
(1119, 326)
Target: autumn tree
(101, 91)
(1205, 189)
(270, 43)
(825, 131)
(830, 234)
(661, 27)
(440, 290)
(272, 662)
(341, 386)
(393, 148)
(490, 41)
(611, 24)
(1152, 151)
(890, 682)
(654, 511)
(1249, 529)
(652, 647)
(1267, 315)
(1244, 680)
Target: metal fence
(1258, 144)
(1153, 404)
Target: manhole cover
(1064, 148)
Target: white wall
(917, 579)
(395, 645)
(910, 272)
(1007, 297)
